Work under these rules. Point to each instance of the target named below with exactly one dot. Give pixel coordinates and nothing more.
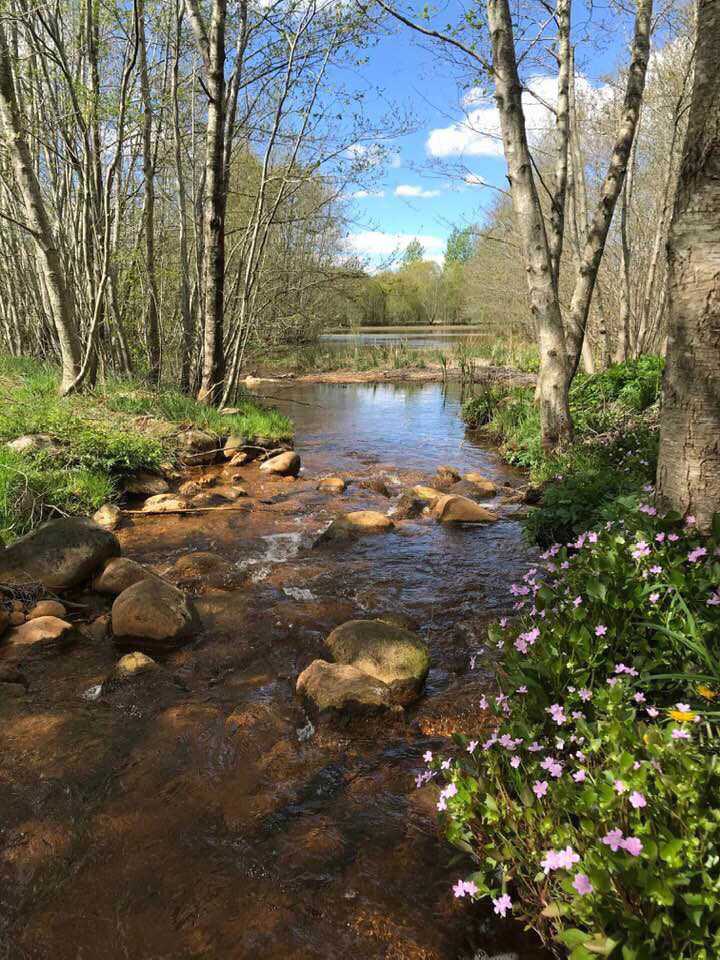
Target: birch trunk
(553, 380)
(152, 324)
(38, 222)
(688, 477)
(614, 179)
(212, 48)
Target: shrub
(614, 454)
(591, 808)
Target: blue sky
(434, 175)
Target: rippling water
(207, 816)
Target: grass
(317, 358)
(614, 454)
(100, 437)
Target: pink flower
(427, 756)
(614, 839)
(459, 889)
(585, 694)
(690, 520)
(619, 786)
(673, 537)
(557, 713)
(679, 734)
(472, 746)
(697, 554)
(540, 788)
(656, 569)
(577, 601)
(502, 904)
(639, 697)
(652, 712)
(579, 776)
(633, 846)
(659, 537)
(637, 800)
(582, 884)
(654, 597)
(600, 630)
(515, 762)
(522, 689)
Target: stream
(213, 819)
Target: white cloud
(376, 244)
(365, 194)
(373, 154)
(408, 190)
(478, 134)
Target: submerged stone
(342, 687)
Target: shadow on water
(202, 815)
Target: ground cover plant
(613, 455)
(98, 437)
(590, 808)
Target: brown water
(205, 817)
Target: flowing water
(209, 816)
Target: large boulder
(285, 464)
(127, 668)
(197, 447)
(356, 523)
(454, 509)
(429, 494)
(332, 485)
(153, 613)
(47, 608)
(219, 496)
(60, 554)
(145, 484)
(109, 516)
(335, 687)
(41, 635)
(447, 474)
(397, 657)
(166, 503)
(120, 573)
(474, 491)
(408, 507)
(233, 445)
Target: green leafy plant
(591, 808)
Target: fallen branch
(155, 513)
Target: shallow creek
(212, 820)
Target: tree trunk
(152, 324)
(553, 380)
(614, 179)
(688, 477)
(212, 47)
(38, 223)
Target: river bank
(429, 373)
(209, 818)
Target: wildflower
(619, 786)
(427, 756)
(557, 713)
(585, 694)
(646, 508)
(714, 599)
(656, 568)
(611, 681)
(633, 846)
(683, 714)
(579, 776)
(637, 800)
(593, 537)
(697, 554)
(540, 788)
(515, 762)
(582, 884)
(690, 520)
(614, 839)
(502, 904)
(707, 693)
(522, 689)
(600, 630)
(640, 549)
(577, 601)
(445, 765)
(652, 712)
(465, 888)
(673, 537)
(472, 746)
(534, 747)
(680, 734)
(567, 857)
(639, 697)
(659, 537)
(654, 597)
(503, 622)
(482, 703)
